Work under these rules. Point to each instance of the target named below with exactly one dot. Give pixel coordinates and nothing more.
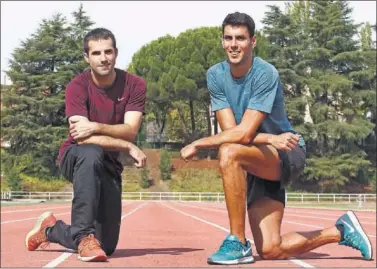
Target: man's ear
(254, 41)
(86, 57)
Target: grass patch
(33, 184)
(131, 178)
(196, 180)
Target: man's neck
(240, 70)
(103, 81)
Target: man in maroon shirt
(104, 108)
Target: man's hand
(138, 155)
(82, 128)
(189, 151)
(285, 141)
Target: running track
(174, 234)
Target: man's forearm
(121, 131)
(232, 136)
(262, 139)
(107, 142)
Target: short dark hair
(98, 34)
(238, 18)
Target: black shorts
(292, 165)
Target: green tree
(287, 38)
(331, 63)
(165, 164)
(33, 117)
(144, 178)
(175, 70)
(155, 64)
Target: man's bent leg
(110, 209)
(234, 160)
(265, 216)
(83, 164)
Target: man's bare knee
(270, 250)
(228, 153)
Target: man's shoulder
(264, 68)
(218, 69)
(131, 77)
(81, 80)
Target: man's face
(101, 56)
(237, 43)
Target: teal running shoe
(232, 251)
(353, 235)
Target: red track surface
(174, 234)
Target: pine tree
(33, 117)
(78, 29)
(334, 62)
(282, 31)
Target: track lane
(13, 250)
(331, 255)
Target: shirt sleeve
(137, 97)
(76, 97)
(218, 98)
(264, 93)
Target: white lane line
(313, 206)
(68, 253)
(44, 208)
(284, 221)
(307, 210)
(331, 219)
(34, 209)
(129, 213)
(18, 220)
(59, 259)
(296, 261)
(58, 214)
(317, 211)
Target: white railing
(198, 196)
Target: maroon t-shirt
(84, 98)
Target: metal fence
(198, 196)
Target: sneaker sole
(358, 227)
(99, 258)
(233, 262)
(37, 227)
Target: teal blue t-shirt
(260, 89)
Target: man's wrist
(97, 127)
(128, 145)
(270, 138)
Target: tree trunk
(193, 127)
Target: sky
(135, 24)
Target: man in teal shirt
(257, 138)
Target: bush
(144, 178)
(196, 180)
(14, 181)
(130, 179)
(35, 184)
(4, 185)
(165, 164)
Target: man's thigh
(258, 188)
(110, 211)
(265, 217)
(262, 160)
(291, 163)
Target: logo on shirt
(120, 99)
